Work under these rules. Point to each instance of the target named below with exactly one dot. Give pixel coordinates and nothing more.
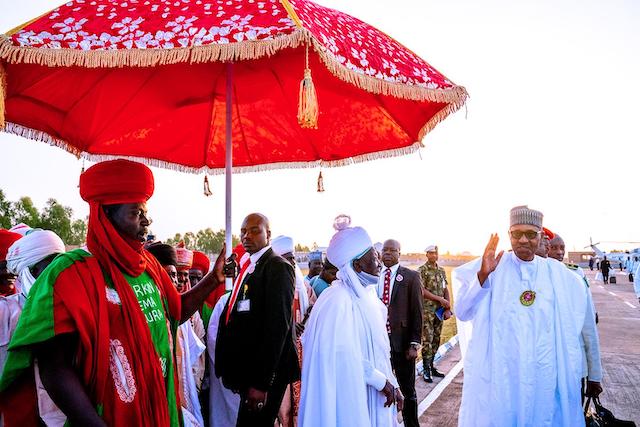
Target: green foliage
(207, 240)
(54, 217)
(300, 248)
(6, 211)
(57, 218)
(24, 211)
(78, 232)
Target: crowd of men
(128, 332)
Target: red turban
(115, 182)
(548, 233)
(6, 239)
(201, 262)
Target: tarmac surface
(619, 328)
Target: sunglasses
(529, 234)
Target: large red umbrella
(151, 80)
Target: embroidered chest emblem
(527, 298)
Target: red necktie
(236, 288)
(385, 294)
(387, 286)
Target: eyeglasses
(529, 234)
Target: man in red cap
(545, 237)
(101, 320)
(7, 280)
(185, 261)
(199, 267)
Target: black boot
(434, 371)
(426, 373)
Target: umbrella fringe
(455, 94)
(148, 57)
(3, 94)
(41, 136)
(222, 52)
(440, 116)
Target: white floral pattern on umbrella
(362, 48)
(135, 24)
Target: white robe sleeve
(591, 342)
(470, 292)
(374, 377)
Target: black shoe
(426, 375)
(435, 373)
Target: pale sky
(552, 123)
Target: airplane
(616, 256)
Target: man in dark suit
(401, 291)
(255, 353)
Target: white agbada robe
(346, 358)
(10, 310)
(636, 280)
(223, 403)
(191, 348)
(522, 365)
(24, 253)
(589, 339)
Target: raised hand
(224, 267)
(489, 259)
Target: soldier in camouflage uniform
(436, 295)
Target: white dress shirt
(394, 271)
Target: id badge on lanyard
(244, 305)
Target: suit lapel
(257, 271)
(396, 285)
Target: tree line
(59, 219)
(54, 217)
(207, 240)
(210, 242)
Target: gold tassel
(307, 99)
(207, 190)
(3, 94)
(320, 183)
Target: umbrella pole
(228, 168)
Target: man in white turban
(523, 362)
(303, 299)
(27, 258)
(304, 296)
(347, 378)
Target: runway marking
(437, 390)
(611, 293)
(629, 304)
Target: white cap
(282, 245)
(348, 243)
(523, 215)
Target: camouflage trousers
(431, 329)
